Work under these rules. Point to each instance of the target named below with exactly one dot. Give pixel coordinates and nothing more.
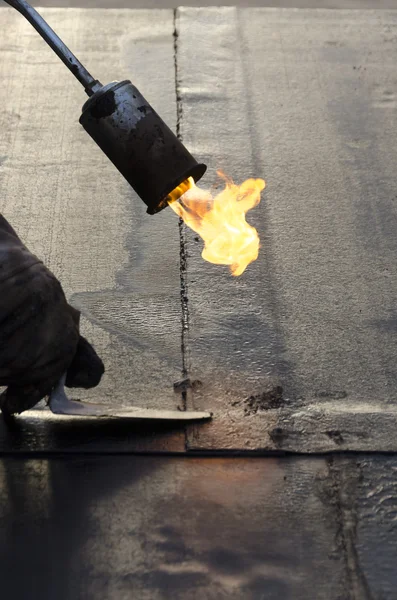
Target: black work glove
(39, 330)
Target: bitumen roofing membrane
(296, 358)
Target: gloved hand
(39, 331)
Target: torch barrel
(138, 142)
(90, 84)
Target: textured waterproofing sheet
(119, 266)
(305, 99)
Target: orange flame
(220, 220)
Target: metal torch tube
(90, 84)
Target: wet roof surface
(166, 528)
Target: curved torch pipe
(90, 84)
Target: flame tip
(220, 220)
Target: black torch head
(138, 142)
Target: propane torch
(126, 127)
